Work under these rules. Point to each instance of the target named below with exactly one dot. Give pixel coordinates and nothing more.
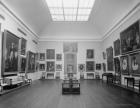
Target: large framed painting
(109, 52)
(23, 46)
(31, 62)
(117, 65)
(41, 56)
(22, 64)
(104, 67)
(90, 53)
(50, 66)
(124, 65)
(135, 64)
(90, 65)
(50, 54)
(117, 49)
(41, 67)
(58, 67)
(81, 67)
(10, 56)
(70, 47)
(98, 66)
(58, 57)
(130, 38)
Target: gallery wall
(9, 22)
(81, 54)
(115, 33)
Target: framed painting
(90, 66)
(117, 49)
(81, 67)
(41, 67)
(36, 66)
(58, 67)
(70, 47)
(104, 67)
(117, 65)
(10, 56)
(41, 56)
(31, 62)
(50, 66)
(104, 55)
(90, 53)
(109, 52)
(22, 64)
(58, 57)
(135, 64)
(50, 54)
(130, 38)
(98, 66)
(124, 65)
(23, 46)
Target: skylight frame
(71, 10)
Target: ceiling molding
(121, 21)
(44, 39)
(19, 20)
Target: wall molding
(121, 21)
(19, 20)
(45, 39)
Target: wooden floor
(47, 94)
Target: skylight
(70, 10)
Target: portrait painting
(70, 47)
(41, 67)
(42, 56)
(117, 49)
(124, 65)
(130, 38)
(135, 64)
(90, 66)
(23, 46)
(98, 66)
(22, 64)
(104, 67)
(90, 53)
(58, 57)
(58, 67)
(110, 64)
(117, 65)
(10, 53)
(50, 54)
(31, 62)
(50, 66)
(81, 67)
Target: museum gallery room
(69, 53)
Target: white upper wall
(69, 30)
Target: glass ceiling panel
(70, 10)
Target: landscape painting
(50, 54)
(90, 65)
(130, 38)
